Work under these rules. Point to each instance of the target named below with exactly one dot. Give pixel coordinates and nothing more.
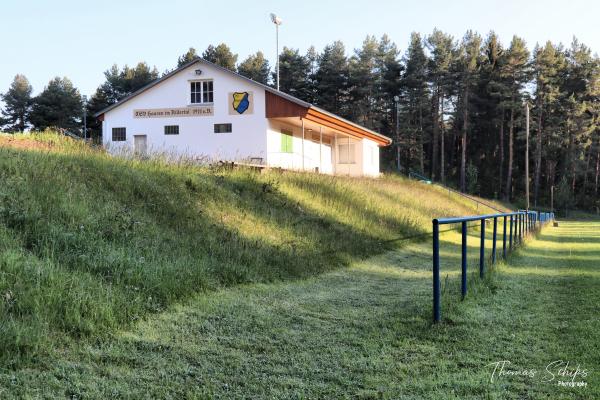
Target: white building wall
(370, 152)
(196, 134)
(253, 138)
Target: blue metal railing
(521, 223)
(424, 179)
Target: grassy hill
(90, 243)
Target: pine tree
(59, 106)
(17, 100)
(469, 62)
(294, 69)
(312, 57)
(516, 72)
(221, 55)
(363, 82)
(548, 66)
(414, 97)
(119, 84)
(579, 87)
(255, 67)
(493, 91)
(331, 79)
(189, 56)
(441, 47)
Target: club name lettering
(173, 112)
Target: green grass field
(130, 279)
(359, 332)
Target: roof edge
(146, 87)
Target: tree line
(455, 107)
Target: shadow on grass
(152, 234)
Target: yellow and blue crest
(241, 101)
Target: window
(119, 134)
(201, 92)
(346, 153)
(287, 141)
(207, 91)
(171, 129)
(223, 128)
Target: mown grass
(361, 332)
(91, 244)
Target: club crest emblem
(241, 101)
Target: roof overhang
(281, 105)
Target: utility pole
(84, 116)
(527, 153)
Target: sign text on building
(173, 112)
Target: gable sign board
(174, 112)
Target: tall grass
(90, 243)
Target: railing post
(482, 249)
(504, 240)
(436, 272)
(463, 285)
(518, 232)
(521, 223)
(510, 239)
(494, 240)
(515, 231)
(534, 219)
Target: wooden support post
(302, 119)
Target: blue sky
(81, 39)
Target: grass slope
(90, 244)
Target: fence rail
(415, 175)
(520, 224)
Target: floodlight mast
(277, 21)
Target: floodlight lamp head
(276, 20)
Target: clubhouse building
(202, 110)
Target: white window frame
(202, 92)
(348, 152)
